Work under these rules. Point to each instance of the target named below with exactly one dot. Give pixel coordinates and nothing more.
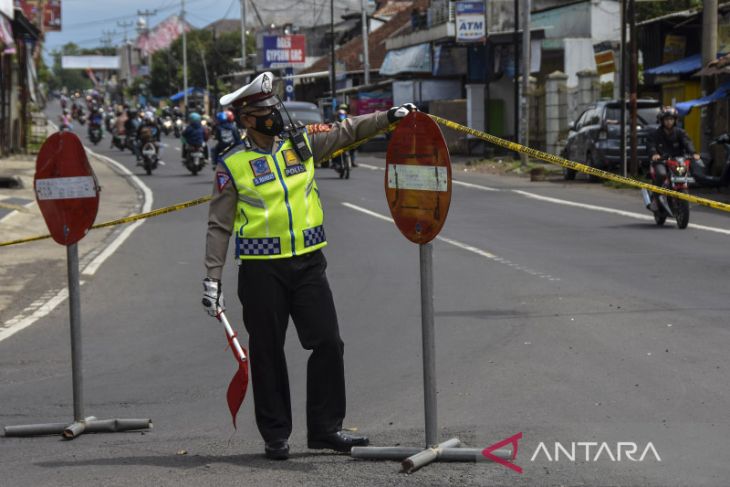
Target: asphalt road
(565, 323)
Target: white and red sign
(66, 188)
(418, 178)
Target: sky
(86, 22)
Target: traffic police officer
(265, 194)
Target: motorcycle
(195, 158)
(699, 170)
(150, 150)
(81, 116)
(95, 133)
(167, 125)
(118, 141)
(178, 128)
(678, 179)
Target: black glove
(396, 113)
(213, 296)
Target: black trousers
(271, 291)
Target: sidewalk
(32, 273)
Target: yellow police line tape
(120, 221)
(455, 126)
(544, 156)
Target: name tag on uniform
(293, 165)
(261, 171)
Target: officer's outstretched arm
(221, 215)
(345, 133)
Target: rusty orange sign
(418, 178)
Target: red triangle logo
(487, 452)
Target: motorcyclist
(226, 133)
(193, 135)
(149, 130)
(65, 119)
(131, 128)
(96, 119)
(668, 141)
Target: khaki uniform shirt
(222, 212)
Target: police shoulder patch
(222, 179)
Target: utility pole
(634, 74)
(333, 77)
(709, 53)
(243, 34)
(516, 45)
(525, 80)
(185, 58)
(127, 49)
(147, 14)
(622, 88)
(365, 47)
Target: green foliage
(649, 10)
(218, 52)
(72, 79)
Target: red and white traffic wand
(237, 388)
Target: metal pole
(74, 301)
(516, 42)
(622, 88)
(333, 77)
(709, 53)
(634, 87)
(185, 58)
(446, 455)
(243, 34)
(429, 344)
(423, 458)
(365, 47)
(525, 80)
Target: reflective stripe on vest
(277, 213)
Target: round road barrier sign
(66, 188)
(418, 178)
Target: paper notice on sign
(423, 178)
(65, 188)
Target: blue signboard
(471, 21)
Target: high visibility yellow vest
(279, 213)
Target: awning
(722, 92)
(7, 43)
(683, 66)
(413, 59)
(191, 91)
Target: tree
(70, 78)
(216, 50)
(649, 10)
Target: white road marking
(10, 215)
(21, 322)
(94, 265)
(463, 246)
(474, 186)
(629, 214)
(371, 167)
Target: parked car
(595, 137)
(302, 111)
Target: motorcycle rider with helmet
(193, 135)
(668, 141)
(226, 133)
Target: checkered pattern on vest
(259, 246)
(314, 236)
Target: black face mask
(271, 124)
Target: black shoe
(277, 450)
(339, 441)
